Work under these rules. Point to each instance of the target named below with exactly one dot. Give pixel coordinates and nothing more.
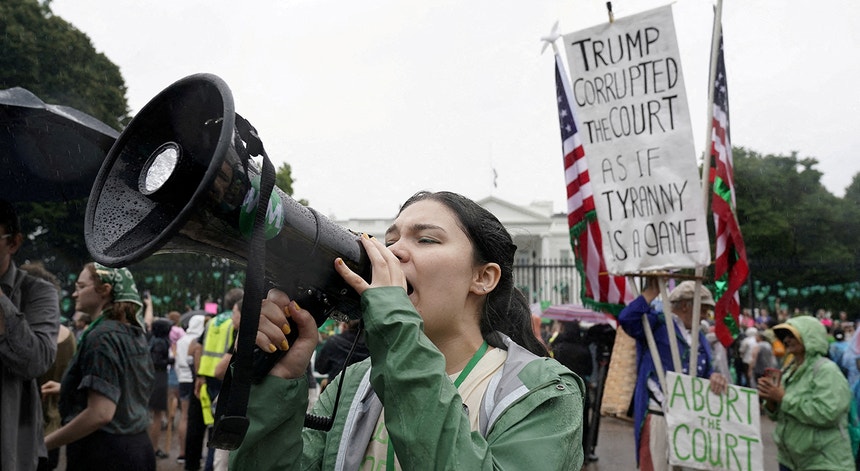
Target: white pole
(655, 354)
(694, 329)
(670, 328)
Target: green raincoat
(812, 419)
(531, 415)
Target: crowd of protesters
(187, 354)
(806, 368)
(757, 350)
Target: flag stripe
(600, 290)
(730, 263)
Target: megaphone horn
(180, 179)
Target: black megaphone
(180, 178)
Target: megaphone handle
(262, 361)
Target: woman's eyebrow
(415, 228)
(426, 227)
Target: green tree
(284, 180)
(794, 229)
(852, 193)
(48, 56)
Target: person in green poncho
(810, 400)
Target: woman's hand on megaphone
(276, 311)
(385, 271)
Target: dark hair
(233, 297)
(9, 218)
(506, 309)
(571, 332)
(161, 328)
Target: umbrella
(572, 312)
(48, 152)
(185, 318)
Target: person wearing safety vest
(217, 340)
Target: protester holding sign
(810, 401)
(652, 447)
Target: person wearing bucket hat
(809, 401)
(650, 433)
(106, 389)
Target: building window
(564, 256)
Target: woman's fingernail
(338, 261)
(272, 348)
(287, 311)
(286, 329)
(364, 235)
(285, 345)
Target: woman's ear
(486, 278)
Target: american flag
(600, 290)
(731, 269)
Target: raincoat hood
(161, 328)
(811, 332)
(195, 325)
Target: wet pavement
(614, 448)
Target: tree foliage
(797, 233)
(51, 58)
(284, 180)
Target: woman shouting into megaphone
(456, 377)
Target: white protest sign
(710, 431)
(631, 103)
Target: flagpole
(706, 172)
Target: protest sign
(629, 95)
(710, 431)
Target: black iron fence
(548, 281)
(183, 281)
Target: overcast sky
(370, 101)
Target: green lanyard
(471, 365)
(389, 461)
